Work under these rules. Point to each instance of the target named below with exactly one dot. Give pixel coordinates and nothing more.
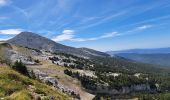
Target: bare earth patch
(65, 80)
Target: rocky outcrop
(55, 83)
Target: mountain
(142, 51)
(32, 40)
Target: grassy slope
(14, 86)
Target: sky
(97, 24)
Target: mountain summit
(32, 40)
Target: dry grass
(13, 86)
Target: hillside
(15, 86)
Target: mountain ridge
(33, 40)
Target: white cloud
(66, 35)
(70, 35)
(11, 31)
(143, 27)
(108, 35)
(4, 39)
(4, 2)
(140, 28)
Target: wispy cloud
(69, 35)
(140, 28)
(4, 2)
(115, 34)
(22, 11)
(101, 19)
(143, 27)
(123, 15)
(108, 35)
(54, 15)
(156, 19)
(11, 31)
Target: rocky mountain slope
(32, 40)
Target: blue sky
(98, 24)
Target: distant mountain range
(159, 56)
(158, 59)
(142, 51)
(32, 40)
